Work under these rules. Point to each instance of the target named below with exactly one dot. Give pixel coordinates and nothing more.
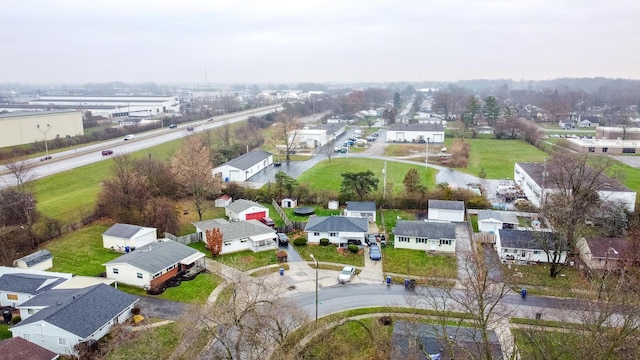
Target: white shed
(416, 133)
(245, 166)
(446, 210)
(122, 236)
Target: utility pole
(384, 180)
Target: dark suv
(283, 239)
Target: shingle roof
(81, 311)
(237, 229)
(427, 229)
(156, 256)
(337, 223)
(446, 204)
(245, 161)
(361, 206)
(241, 205)
(526, 239)
(489, 214)
(37, 257)
(416, 127)
(17, 348)
(603, 247)
(125, 231)
(28, 283)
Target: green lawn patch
(319, 211)
(246, 260)
(540, 344)
(81, 252)
(630, 175)
(536, 279)
(326, 175)
(474, 223)
(196, 291)
(418, 263)
(497, 157)
(330, 253)
(155, 343)
(4, 331)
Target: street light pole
(44, 134)
(316, 261)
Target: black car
(107, 152)
(283, 239)
(48, 157)
(173, 126)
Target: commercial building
(19, 128)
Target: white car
(346, 274)
(129, 137)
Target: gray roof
(79, 311)
(527, 239)
(124, 231)
(237, 229)
(416, 127)
(37, 257)
(330, 128)
(361, 206)
(508, 217)
(446, 204)
(426, 229)
(537, 170)
(337, 223)
(28, 283)
(241, 205)
(34, 113)
(249, 159)
(156, 256)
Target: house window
(628, 150)
(333, 234)
(62, 341)
(13, 297)
(139, 275)
(31, 311)
(243, 240)
(156, 275)
(421, 240)
(605, 149)
(592, 149)
(227, 243)
(403, 238)
(445, 242)
(316, 233)
(115, 271)
(536, 252)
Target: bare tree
(251, 323)
(22, 172)
(124, 196)
(480, 293)
(287, 128)
(192, 167)
(574, 181)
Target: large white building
(531, 177)
(27, 127)
(416, 133)
(113, 106)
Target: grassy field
(69, 194)
(81, 252)
(326, 174)
(330, 254)
(241, 260)
(546, 345)
(319, 211)
(155, 343)
(497, 157)
(536, 279)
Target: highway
(70, 159)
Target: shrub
(324, 241)
(16, 320)
(300, 242)
(135, 311)
(353, 248)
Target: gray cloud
(291, 41)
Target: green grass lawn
(631, 175)
(81, 252)
(326, 174)
(544, 344)
(497, 157)
(4, 331)
(196, 291)
(536, 279)
(152, 344)
(330, 254)
(418, 263)
(319, 211)
(244, 260)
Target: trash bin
(524, 293)
(538, 316)
(388, 279)
(412, 284)
(127, 249)
(281, 271)
(406, 283)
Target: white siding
(371, 215)
(528, 255)
(5, 301)
(128, 274)
(430, 245)
(339, 237)
(446, 215)
(489, 225)
(48, 336)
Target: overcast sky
(263, 41)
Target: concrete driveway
(372, 272)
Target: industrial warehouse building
(20, 128)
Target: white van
(129, 137)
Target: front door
(433, 245)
